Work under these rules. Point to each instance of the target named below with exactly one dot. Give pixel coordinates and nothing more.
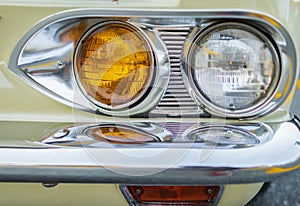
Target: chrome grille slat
(175, 103)
(177, 38)
(166, 96)
(176, 60)
(172, 55)
(175, 78)
(175, 82)
(176, 99)
(176, 91)
(176, 87)
(178, 33)
(174, 42)
(175, 64)
(173, 51)
(173, 47)
(176, 74)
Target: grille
(176, 100)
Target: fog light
(222, 135)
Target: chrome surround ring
(152, 76)
(262, 105)
(286, 60)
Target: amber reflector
(173, 195)
(118, 135)
(114, 64)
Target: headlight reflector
(114, 65)
(233, 68)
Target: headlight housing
(233, 69)
(179, 70)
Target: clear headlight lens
(233, 68)
(114, 65)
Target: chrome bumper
(166, 163)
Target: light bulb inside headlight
(233, 67)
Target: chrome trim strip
(181, 165)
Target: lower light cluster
(147, 134)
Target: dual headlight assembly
(236, 67)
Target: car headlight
(233, 69)
(114, 64)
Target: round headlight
(114, 65)
(233, 69)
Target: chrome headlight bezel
(52, 72)
(48, 67)
(262, 106)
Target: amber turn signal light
(117, 134)
(114, 65)
(171, 195)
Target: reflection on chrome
(203, 135)
(223, 135)
(40, 161)
(108, 133)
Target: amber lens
(114, 64)
(118, 135)
(174, 195)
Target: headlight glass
(114, 65)
(233, 68)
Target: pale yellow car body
(27, 113)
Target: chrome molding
(48, 67)
(77, 135)
(173, 163)
(250, 135)
(51, 65)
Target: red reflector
(171, 195)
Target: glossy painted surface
(21, 194)
(92, 194)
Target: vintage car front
(161, 102)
